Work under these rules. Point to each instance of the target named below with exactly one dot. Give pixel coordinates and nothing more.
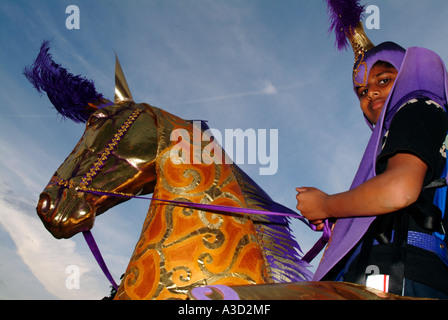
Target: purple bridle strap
(210, 207)
(98, 257)
(320, 244)
(308, 257)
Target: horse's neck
(273, 233)
(181, 248)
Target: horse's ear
(122, 92)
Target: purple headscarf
(421, 73)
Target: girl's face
(374, 94)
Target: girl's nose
(373, 93)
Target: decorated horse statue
(132, 149)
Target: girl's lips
(377, 104)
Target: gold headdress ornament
(360, 44)
(122, 92)
(345, 17)
(359, 41)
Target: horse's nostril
(44, 204)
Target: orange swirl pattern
(181, 248)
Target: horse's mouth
(67, 217)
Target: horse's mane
(74, 97)
(279, 246)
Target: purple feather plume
(344, 15)
(73, 97)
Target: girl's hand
(312, 203)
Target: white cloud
(269, 88)
(48, 258)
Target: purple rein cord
(308, 257)
(88, 236)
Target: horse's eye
(92, 120)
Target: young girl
(385, 222)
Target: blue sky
(252, 64)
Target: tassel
(73, 97)
(344, 16)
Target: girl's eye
(384, 81)
(362, 93)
